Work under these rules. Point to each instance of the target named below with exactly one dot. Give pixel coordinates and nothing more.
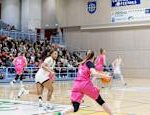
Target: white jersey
(43, 75)
(117, 66)
(117, 70)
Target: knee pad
(76, 106)
(100, 101)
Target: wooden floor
(133, 99)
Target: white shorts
(40, 78)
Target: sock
(40, 97)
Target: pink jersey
(83, 85)
(83, 73)
(20, 63)
(100, 61)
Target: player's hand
(52, 72)
(106, 75)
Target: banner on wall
(91, 7)
(118, 3)
(131, 15)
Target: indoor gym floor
(133, 99)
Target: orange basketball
(106, 80)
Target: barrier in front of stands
(20, 35)
(63, 73)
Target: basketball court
(133, 99)
(63, 40)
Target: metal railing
(63, 73)
(57, 40)
(20, 35)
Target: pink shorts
(82, 88)
(19, 70)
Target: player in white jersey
(117, 69)
(45, 76)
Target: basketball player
(20, 63)
(45, 76)
(117, 69)
(100, 60)
(84, 86)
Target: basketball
(105, 79)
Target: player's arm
(26, 63)
(104, 58)
(45, 65)
(46, 68)
(98, 74)
(93, 71)
(14, 61)
(113, 63)
(96, 60)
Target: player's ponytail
(44, 54)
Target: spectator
(33, 52)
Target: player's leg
(40, 89)
(106, 107)
(122, 79)
(76, 96)
(49, 86)
(93, 92)
(14, 81)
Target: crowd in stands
(35, 54)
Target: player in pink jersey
(84, 86)
(100, 60)
(19, 62)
